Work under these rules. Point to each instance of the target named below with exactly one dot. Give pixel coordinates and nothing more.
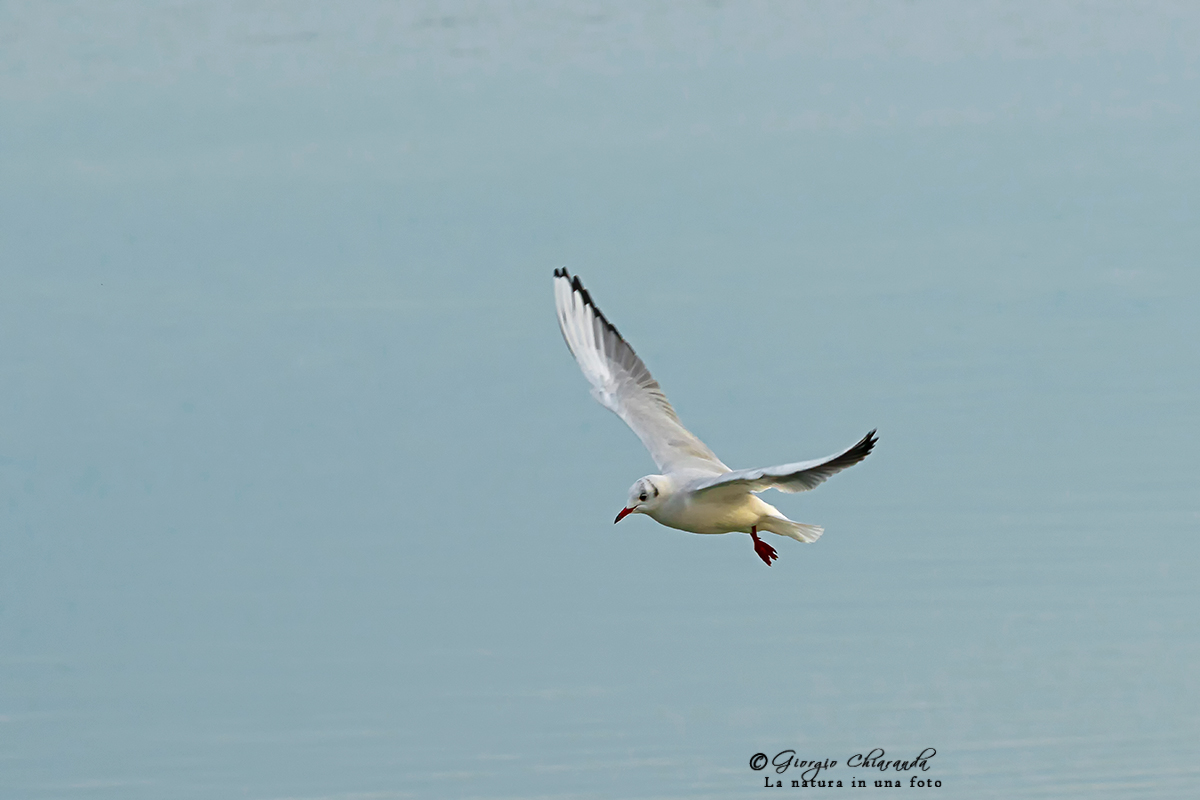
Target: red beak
(621, 516)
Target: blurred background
(302, 496)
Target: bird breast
(711, 512)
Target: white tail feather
(796, 530)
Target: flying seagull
(696, 492)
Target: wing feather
(798, 477)
(622, 384)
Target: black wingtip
(577, 286)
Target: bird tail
(796, 530)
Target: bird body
(681, 508)
(696, 492)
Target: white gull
(696, 492)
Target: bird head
(645, 496)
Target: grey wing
(798, 477)
(622, 384)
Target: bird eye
(643, 497)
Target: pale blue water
(301, 494)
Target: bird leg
(764, 550)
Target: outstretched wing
(798, 477)
(622, 384)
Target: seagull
(696, 492)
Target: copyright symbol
(758, 761)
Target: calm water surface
(302, 496)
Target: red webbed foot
(764, 550)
